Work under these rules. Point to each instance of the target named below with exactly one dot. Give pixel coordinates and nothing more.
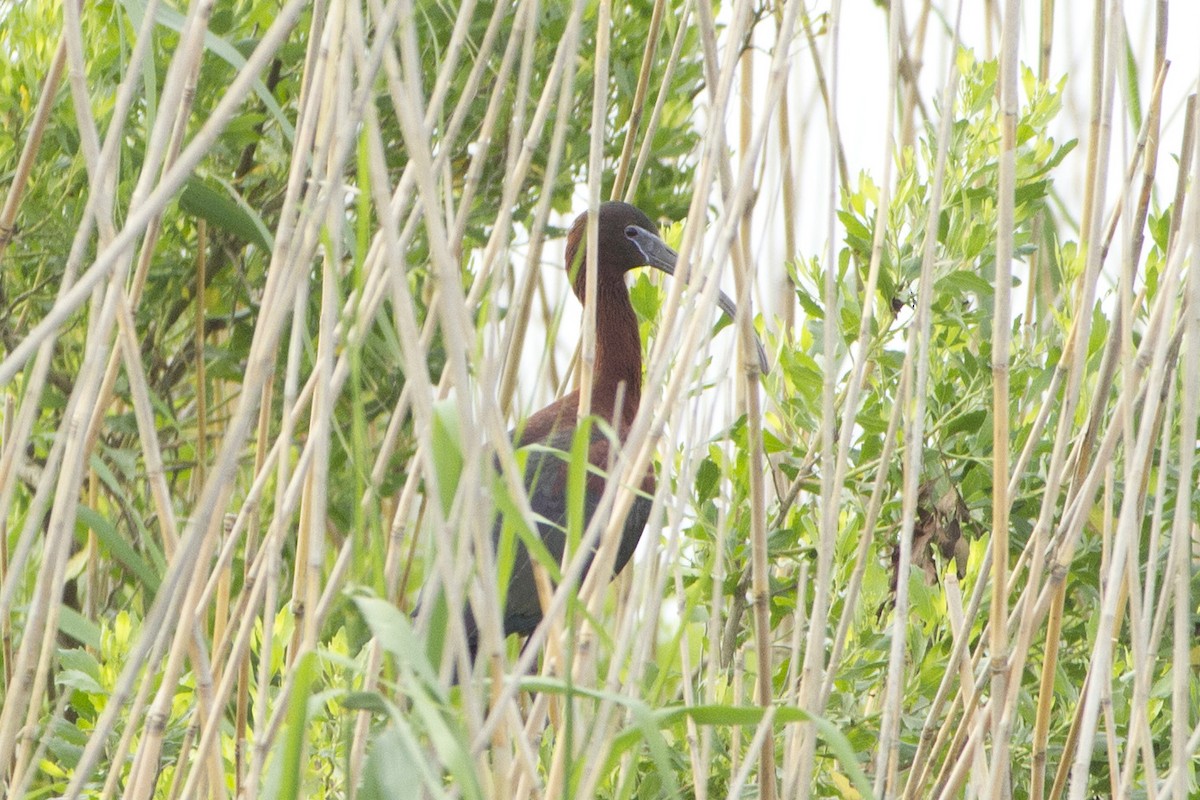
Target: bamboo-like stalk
(912, 57)
(1130, 511)
(33, 657)
(483, 109)
(638, 107)
(29, 151)
(828, 95)
(134, 223)
(587, 358)
(201, 377)
(660, 101)
(850, 402)
(1001, 346)
(1090, 222)
(916, 370)
(1038, 272)
(1177, 570)
(558, 86)
(6, 429)
(785, 309)
(523, 293)
(14, 451)
(331, 85)
(557, 779)
(818, 615)
(1140, 619)
(23, 777)
(760, 574)
(408, 332)
(791, 769)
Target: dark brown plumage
(627, 240)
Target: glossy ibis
(627, 240)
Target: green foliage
(958, 418)
(418, 742)
(238, 193)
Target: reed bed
(255, 415)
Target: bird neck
(618, 369)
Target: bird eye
(631, 232)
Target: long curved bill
(660, 256)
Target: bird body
(616, 394)
(627, 240)
(546, 477)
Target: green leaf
(111, 539)
(81, 660)
(290, 757)
(647, 719)
(171, 19)
(80, 628)
(969, 422)
(962, 281)
(389, 770)
(811, 307)
(1029, 192)
(233, 216)
(855, 227)
(1134, 103)
(447, 451)
(708, 474)
(577, 483)
(365, 701)
(394, 632)
(645, 297)
(80, 681)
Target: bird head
(628, 240)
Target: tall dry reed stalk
(239, 674)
